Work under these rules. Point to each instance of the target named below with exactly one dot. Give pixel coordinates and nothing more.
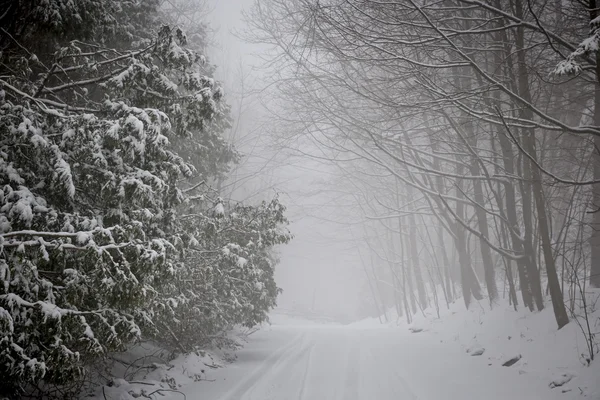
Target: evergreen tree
(110, 134)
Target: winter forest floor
(433, 358)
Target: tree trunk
(464, 82)
(523, 265)
(405, 277)
(558, 305)
(439, 182)
(414, 255)
(482, 224)
(379, 291)
(595, 238)
(470, 284)
(527, 269)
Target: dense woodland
(112, 230)
(466, 135)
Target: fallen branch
(149, 396)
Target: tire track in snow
(352, 373)
(285, 354)
(391, 380)
(302, 393)
(281, 381)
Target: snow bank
(148, 371)
(529, 344)
(501, 334)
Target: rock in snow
(561, 380)
(477, 351)
(511, 361)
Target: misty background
(320, 269)
(309, 199)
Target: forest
(464, 136)
(112, 227)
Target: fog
(299, 199)
(320, 269)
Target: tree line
(466, 133)
(112, 227)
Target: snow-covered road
(312, 362)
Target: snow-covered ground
(557, 358)
(294, 359)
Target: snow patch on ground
(557, 356)
(148, 371)
(466, 349)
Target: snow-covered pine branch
(589, 46)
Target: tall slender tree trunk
(558, 305)
(509, 271)
(595, 238)
(469, 282)
(371, 289)
(447, 274)
(391, 261)
(482, 224)
(438, 266)
(527, 269)
(414, 255)
(409, 299)
(523, 264)
(439, 182)
(464, 82)
(533, 273)
(379, 291)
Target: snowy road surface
(312, 362)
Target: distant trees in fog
(469, 132)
